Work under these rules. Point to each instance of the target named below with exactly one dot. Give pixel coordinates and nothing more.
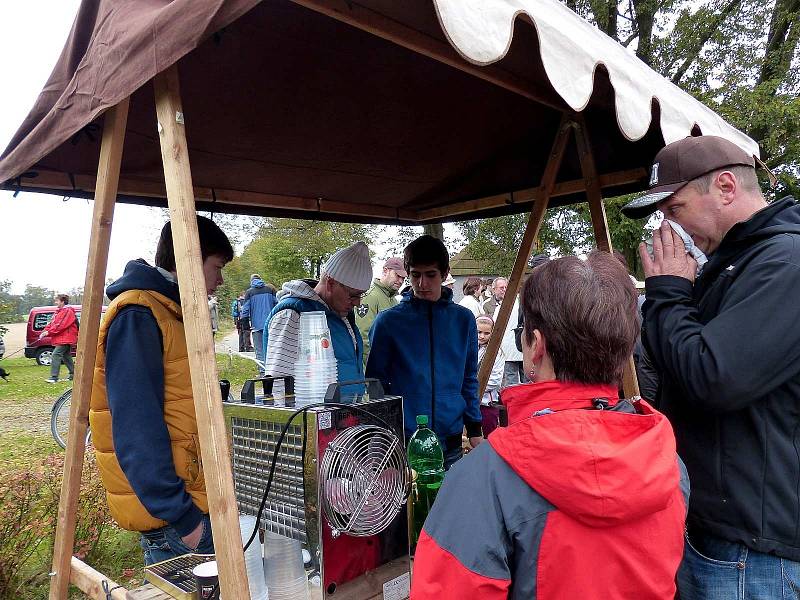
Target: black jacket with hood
(728, 349)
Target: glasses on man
(351, 293)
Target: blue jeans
(165, 543)
(716, 569)
(258, 342)
(451, 456)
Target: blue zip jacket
(427, 352)
(259, 300)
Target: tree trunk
(434, 229)
(645, 18)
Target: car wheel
(44, 356)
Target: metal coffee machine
(339, 486)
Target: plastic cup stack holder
(316, 365)
(253, 560)
(283, 568)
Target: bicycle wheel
(59, 418)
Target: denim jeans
(258, 342)
(165, 543)
(513, 373)
(451, 456)
(62, 352)
(716, 569)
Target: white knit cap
(350, 266)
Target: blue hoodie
(135, 386)
(427, 352)
(259, 301)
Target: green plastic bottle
(427, 465)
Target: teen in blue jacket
(425, 349)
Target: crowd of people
(692, 490)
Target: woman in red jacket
(582, 495)
(63, 334)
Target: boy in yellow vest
(142, 412)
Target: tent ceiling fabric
(291, 112)
(571, 49)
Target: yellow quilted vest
(178, 413)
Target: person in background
(499, 286)
(142, 415)
(582, 495)
(381, 295)
(472, 290)
(727, 348)
(449, 282)
(490, 409)
(537, 260)
(213, 309)
(345, 277)
(244, 333)
(63, 334)
(425, 349)
(259, 300)
(486, 291)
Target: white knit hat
(350, 266)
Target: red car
(38, 318)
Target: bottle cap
(422, 419)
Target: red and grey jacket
(569, 501)
(63, 329)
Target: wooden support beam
(630, 384)
(528, 195)
(592, 185)
(197, 324)
(528, 238)
(391, 30)
(94, 284)
(91, 582)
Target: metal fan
(364, 479)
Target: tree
(740, 57)
(286, 249)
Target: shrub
(28, 517)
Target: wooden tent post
(197, 323)
(630, 384)
(529, 237)
(102, 218)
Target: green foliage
(565, 231)
(28, 516)
(286, 249)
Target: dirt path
(15, 338)
(30, 416)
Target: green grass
(19, 449)
(236, 370)
(27, 380)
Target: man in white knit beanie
(345, 277)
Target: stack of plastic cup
(283, 567)
(253, 560)
(316, 367)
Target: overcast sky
(45, 240)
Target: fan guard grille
(364, 480)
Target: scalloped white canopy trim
(571, 48)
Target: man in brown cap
(726, 343)
(382, 295)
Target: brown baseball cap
(396, 264)
(679, 163)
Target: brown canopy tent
(368, 111)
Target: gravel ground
(32, 416)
